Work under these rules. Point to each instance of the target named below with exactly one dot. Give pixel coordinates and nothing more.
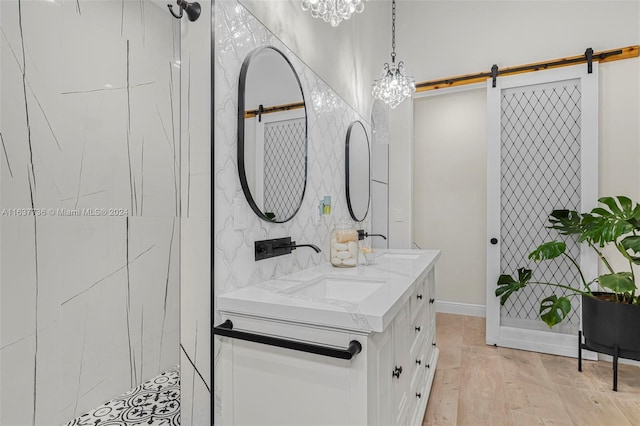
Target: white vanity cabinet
(387, 383)
(405, 357)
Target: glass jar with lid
(344, 245)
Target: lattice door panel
(284, 166)
(540, 156)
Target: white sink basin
(407, 256)
(337, 288)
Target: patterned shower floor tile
(155, 402)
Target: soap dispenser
(344, 245)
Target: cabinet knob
(493, 241)
(419, 395)
(432, 300)
(418, 329)
(419, 296)
(427, 366)
(418, 362)
(433, 344)
(396, 372)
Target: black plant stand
(615, 353)
(609, 328)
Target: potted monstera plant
(610, 303)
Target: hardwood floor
(477, 385)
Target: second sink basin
(337, 288)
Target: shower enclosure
(91, 204)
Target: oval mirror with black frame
(357, 171)
(272, 135)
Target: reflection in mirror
(357, 171)
(272, 135)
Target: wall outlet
(398, 215)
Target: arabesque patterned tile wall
(237, 33)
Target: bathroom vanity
(332, 346)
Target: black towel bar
(226, 329)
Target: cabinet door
(267, 385)
(401, 343)
(431, 290)
(384, 383)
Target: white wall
(444, 38)
(440, 39)
(400, 182)
(450, 191)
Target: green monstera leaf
(622, 282)
(603, 226)
(632, 242)
(549, 250)
(620, 206)
(566, 222)
(507, 285)
(554, 309)
(601, 229)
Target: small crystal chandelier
(333, 11)
(395, 85)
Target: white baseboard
(609, 358)
(461, 308)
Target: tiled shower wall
(237, 33)
(90, 131)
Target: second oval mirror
(357, 171)
(272, 135)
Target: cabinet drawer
(418, 299)
(416, 393)
(432, 336)
(418, 374)
(428, 346)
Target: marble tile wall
(91, 203)
(237, 33)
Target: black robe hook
(193, 9)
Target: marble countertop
(364, 298)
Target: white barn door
(542, 154)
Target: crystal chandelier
(395, 85)
(333, 11)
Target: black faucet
(362, 234)
(294, 246)
(266, 249)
